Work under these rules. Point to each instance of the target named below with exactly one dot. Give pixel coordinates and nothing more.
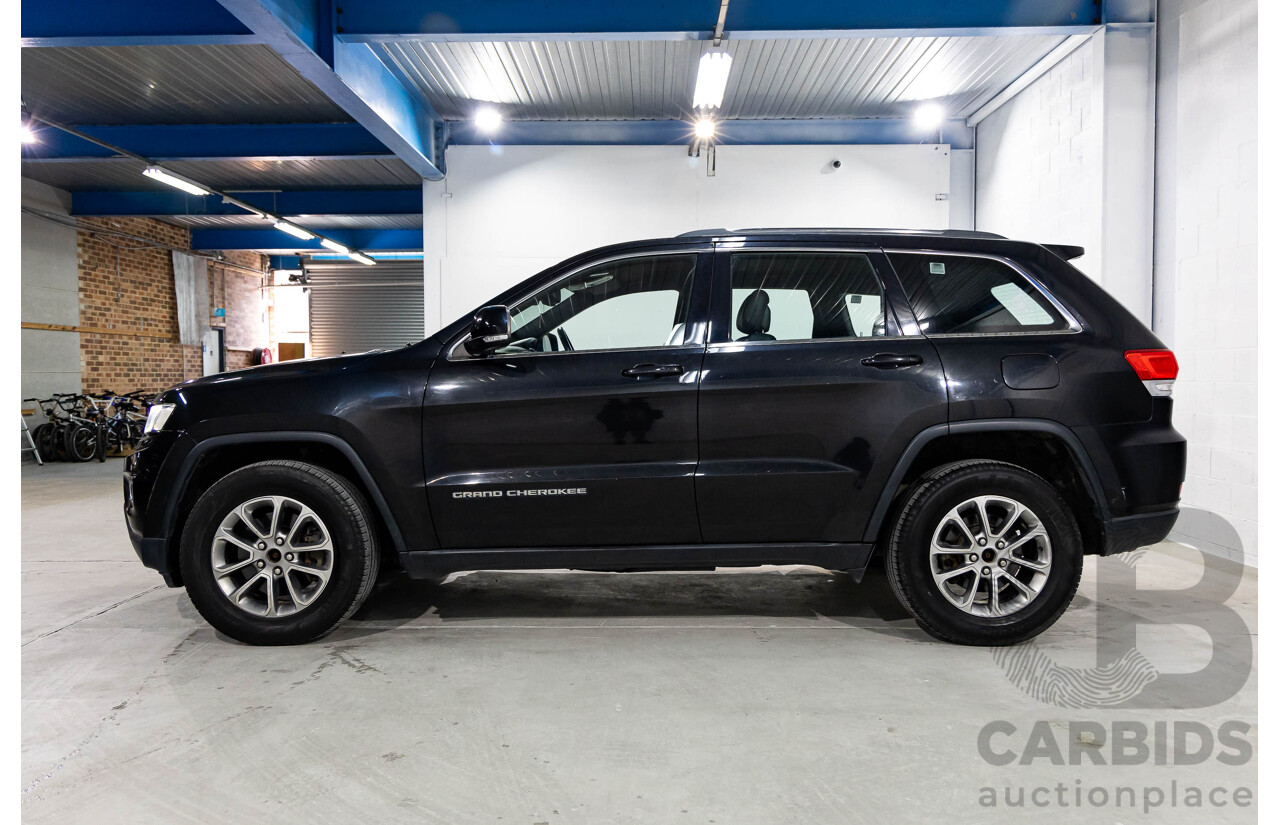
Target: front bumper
(149, 476)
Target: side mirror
(490, 331)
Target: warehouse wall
(1039, 161)
(140, 298)
(122, 289)
(128, 286)
(505, 213)
(1206, 273)
(50, 360)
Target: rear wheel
(984, 553)
(279, 553)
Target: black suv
(973, 408)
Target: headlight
(156, 416)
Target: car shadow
(513, 596)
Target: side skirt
(851, 558)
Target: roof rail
(832, 230)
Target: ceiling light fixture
(488, 120)
(704, 128)
(176, 181)
(296, 231)
(28, 135)
(928, 116)
(713, 77)
(364, 259)
(335, 246)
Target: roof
(924, 233)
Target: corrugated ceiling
(170, 84)
(646, 80)
(309, 221)
(351, 173)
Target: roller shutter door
(355, 308)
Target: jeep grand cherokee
(972, 408)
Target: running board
(427, 564)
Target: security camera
(835, 164)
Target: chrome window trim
(1073, 324)
(722, 345)
(695, 251)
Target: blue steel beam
(365, 240)
(301, 32)
(159, 203)
(552, 19)
(208, 141)
(53, 23)
(728, 132)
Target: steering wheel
(564, 339)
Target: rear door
(583, 432)
(810, 393)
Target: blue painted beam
(728, 132)
(208, 141)
(46, 23)
(290, 203)
(301, 32)
(364, 240)
(556, 19)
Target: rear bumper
(1120, 535)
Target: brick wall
(138, 296)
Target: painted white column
(435, 208)
(1125, 70)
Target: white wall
(502, 215)
(50, 295)
(1206, 277)
(1039, 161)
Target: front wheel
(81, 442)
(279, 553)
(984, 553)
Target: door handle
(891, 360)
(653, 370)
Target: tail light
(1157, 368)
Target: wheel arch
(215, 457)
(1044, 447)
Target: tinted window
(795, 296)
(623, 304)
(960, 294)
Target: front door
(583, 431)
(810, 393)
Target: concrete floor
(766, 696)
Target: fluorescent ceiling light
(334, 245)
(177, 182)
(488, 119)
(296, 231)
(713, 76)
(364, 259)
(928, 116)
(704, 128)
(28, 136)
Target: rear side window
(798, 296)
(958, 294)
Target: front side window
(631, 303)
(799, 296)
(958, 294)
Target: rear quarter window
(960, 294)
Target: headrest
(754, 315)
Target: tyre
(279, 553)
(81, 442)
(984, 553)
(49, 437)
